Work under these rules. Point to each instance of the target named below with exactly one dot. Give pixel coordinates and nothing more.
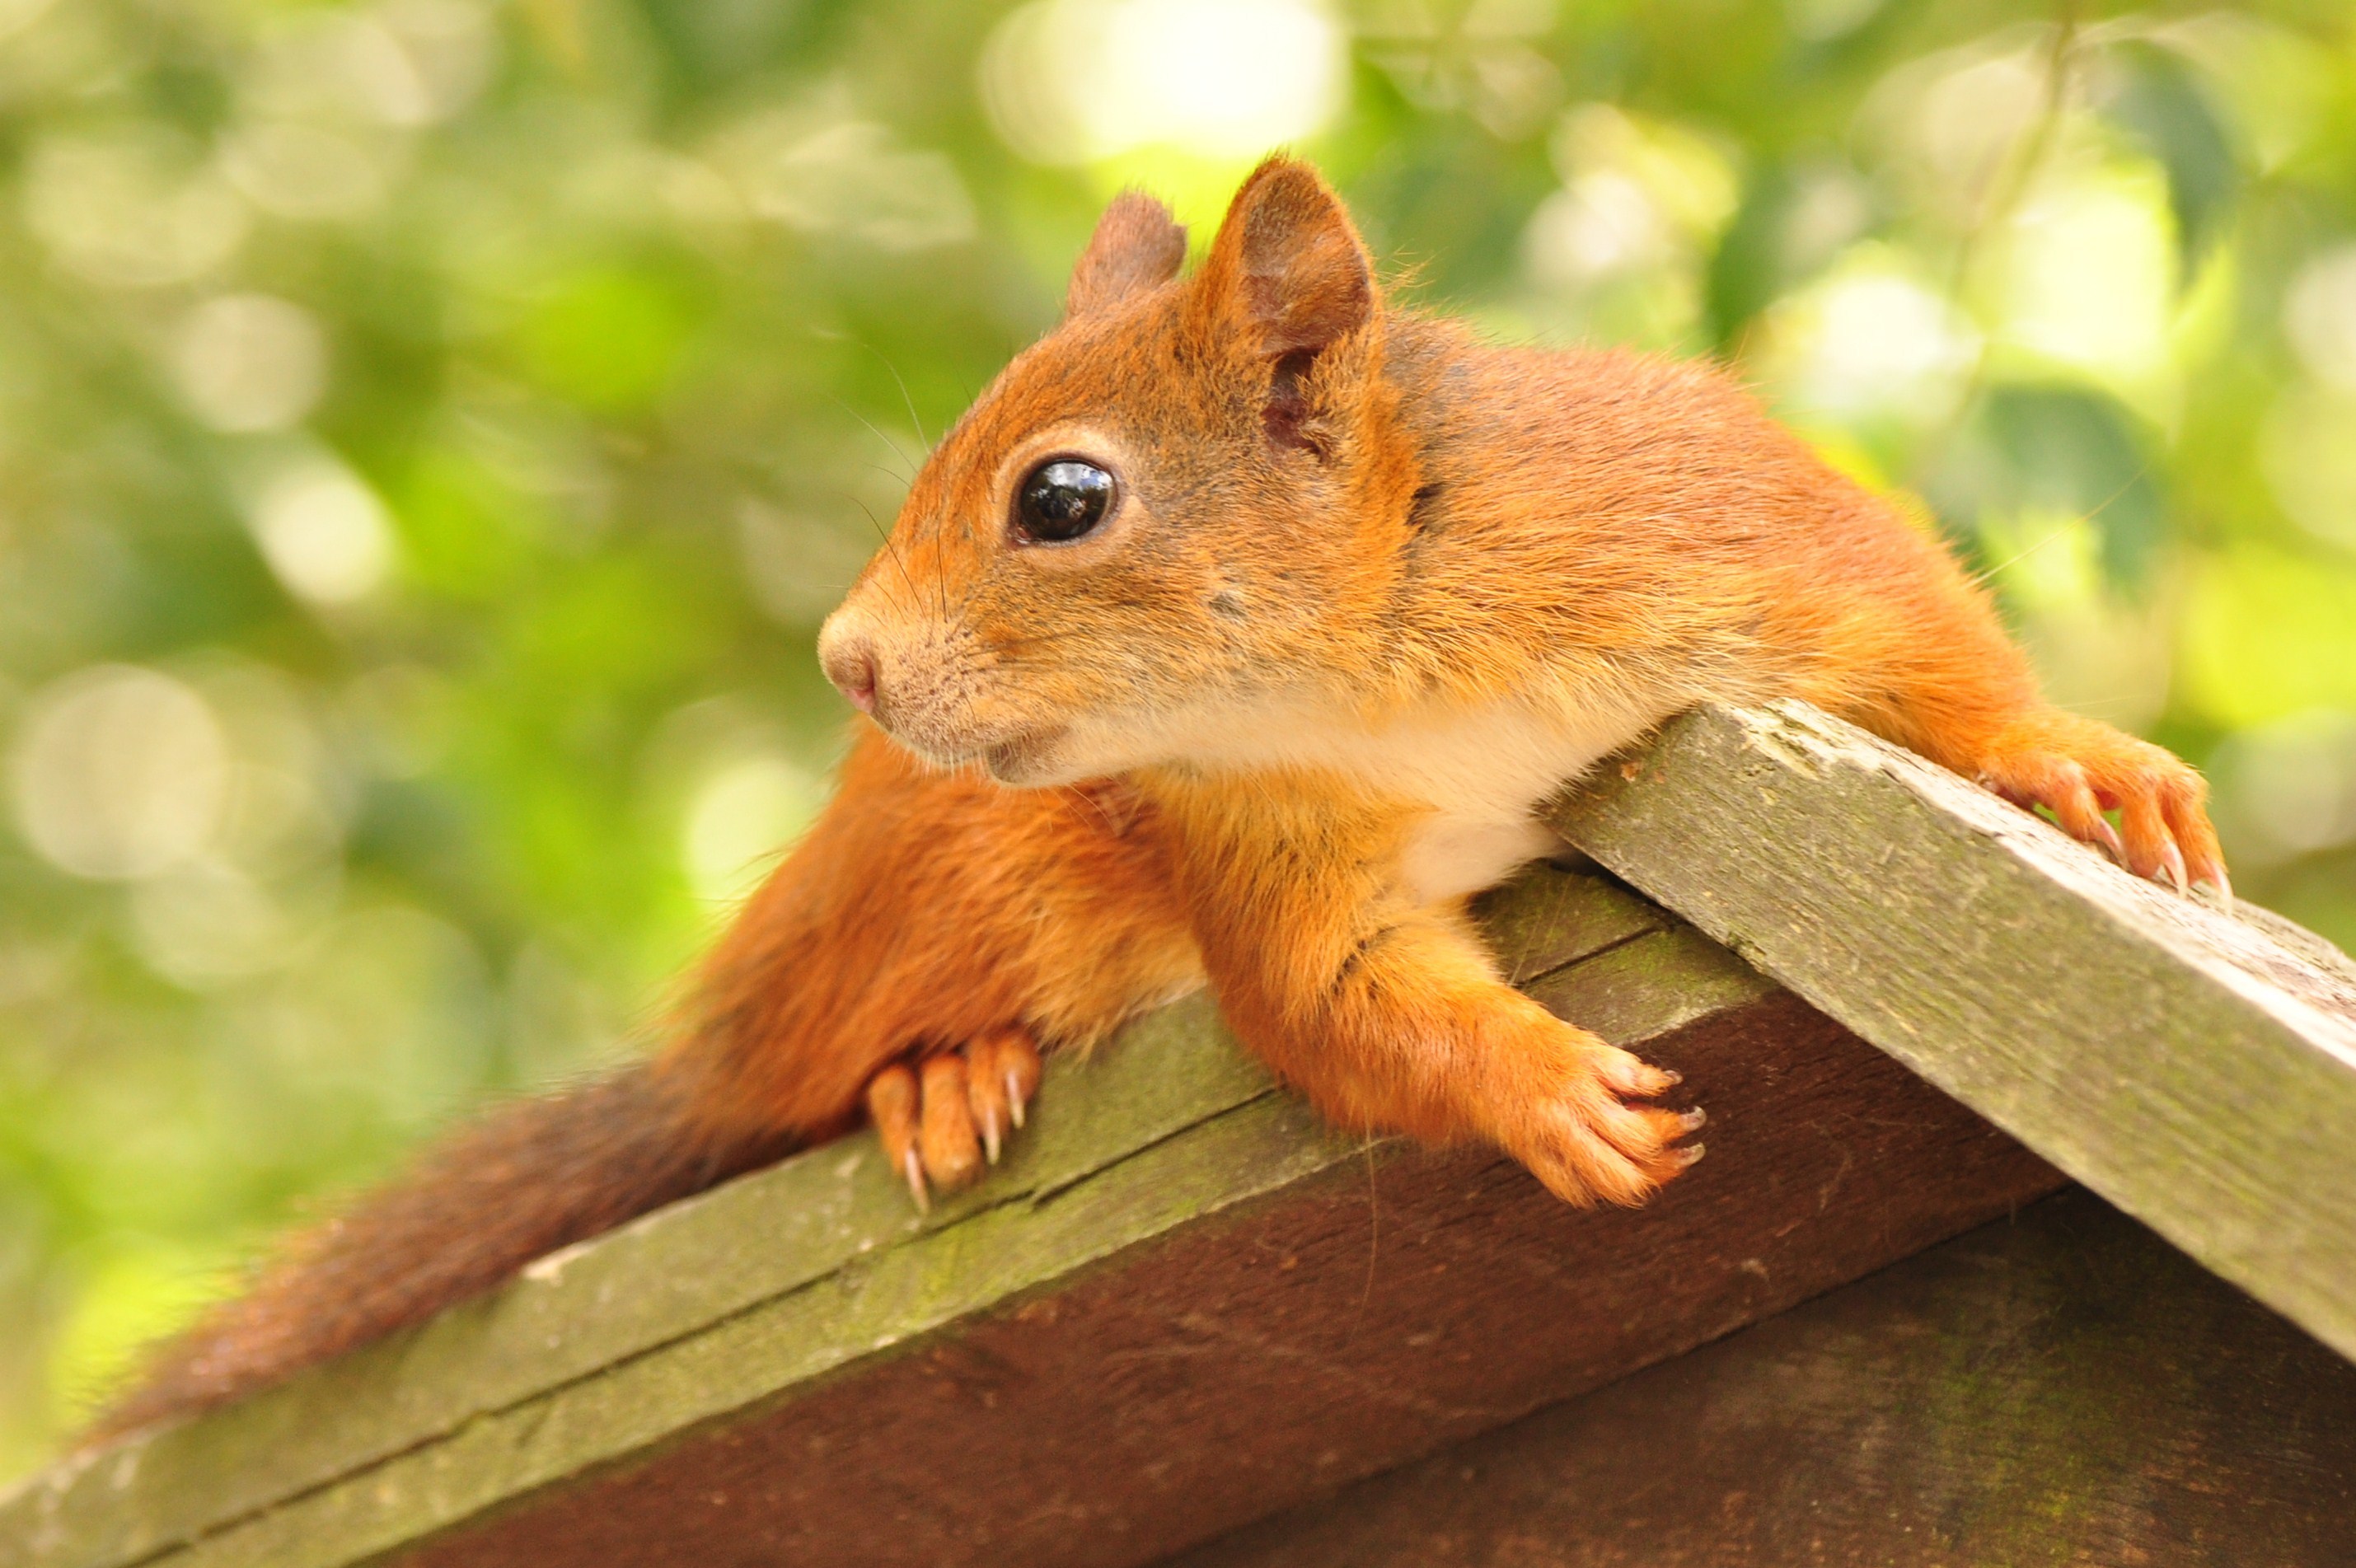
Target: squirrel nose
(849, 661)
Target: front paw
(1579, 1126)
(945, 1118)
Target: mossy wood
(1180, 1306)
(2196, 1068)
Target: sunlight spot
(324, 532)
(1871, 340)
(2307, 449)
(740, 819)
(1073, 82)
(300, 171)
(2089, 275)
(132, 210)
(2319, 316)
(849, 178)
(250, 362)
(16, 16)
(1601, 223)
(207, 922)
(120, 773)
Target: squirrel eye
(1062, 499)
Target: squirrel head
(1190, 496)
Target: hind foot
(946, 1119)
(2078, 769)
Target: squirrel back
(1328, 518)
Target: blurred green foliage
(431, 430)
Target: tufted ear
(1136, 246)
(1288, 265)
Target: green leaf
(608, 339)
(1747, 270)
(2060, 448)
(2158, 102)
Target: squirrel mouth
(1022, 759)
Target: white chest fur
(1482, 774)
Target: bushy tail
(525, 1179)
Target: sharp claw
(2172, 862)
(914, 1169)
(2213, 874)
(1013, 1100)
(989, 1136)
(1692, 1120)
(1689, 1155)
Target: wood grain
(2065, 1389)
(1362, 1315)
(1183, 1307)
(2197, 1069)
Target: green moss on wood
(788, 1275)
(2197, 1069)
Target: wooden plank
(2062, 1390)
(2195, 1069)
(1180, 1306)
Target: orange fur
(1371, 592)
(924, 912)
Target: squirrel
(1235, 635)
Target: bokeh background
(431, 429)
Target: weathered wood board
(2197, 1069)
(2063, 1388)
(1179, 1306)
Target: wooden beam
(2062, 1389)
(2195, 1069)
(1179, 1306)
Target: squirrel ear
(1288, 263)
(1137, 245)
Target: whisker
(1988, 573)
(1094, 805)
(914, 424)
(1011, 644)
(889, 548)
(907, 478)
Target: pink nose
(850, 665)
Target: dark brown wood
(1179, 1305)
(1356, 1319)
(2064, 1389)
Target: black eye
(1062, 499)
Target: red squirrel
(1236, 635)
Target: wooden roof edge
(1179, 1305)
(2195, 1066)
